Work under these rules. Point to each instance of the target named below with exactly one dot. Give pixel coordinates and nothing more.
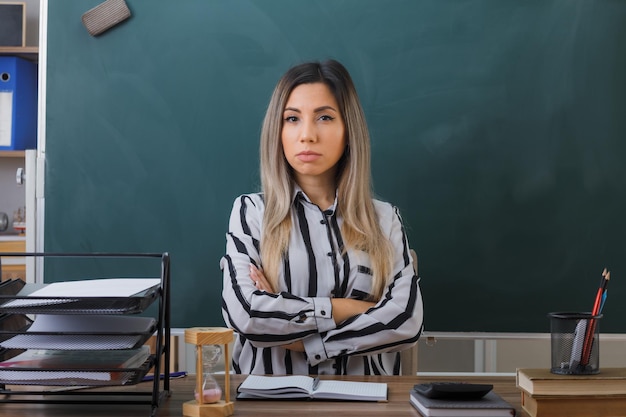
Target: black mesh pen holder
(575, 343)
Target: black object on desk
(453, 390)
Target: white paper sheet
(108, 287)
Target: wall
(502, 353)
(459, 354)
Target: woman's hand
(260, 282)
(296, 346)
(344, 308)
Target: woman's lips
(307, 156)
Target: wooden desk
(182, 390)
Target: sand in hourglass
(211, 391)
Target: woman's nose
(308, 133)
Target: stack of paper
(63, 365)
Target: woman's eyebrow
(322, 108)
(316, 110)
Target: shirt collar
(299, 194)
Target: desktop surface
(182, 390)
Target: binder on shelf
(18, 103)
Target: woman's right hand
(260, 282)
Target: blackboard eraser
(104, 16)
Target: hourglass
(210, 342)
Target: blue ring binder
(18, 103)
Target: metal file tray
(85, 355)
(70, 377)
(22, 303)
(71, 332)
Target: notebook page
(351, 390)
(276, 383)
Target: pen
(316, 382)
(173, 375)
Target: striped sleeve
(263, 318)
(394, 323)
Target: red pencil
(586, 355)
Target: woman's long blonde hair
(360, 228)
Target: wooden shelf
(12, 154)
(27, 52)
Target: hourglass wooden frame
(201, 336)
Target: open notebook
(305, 387)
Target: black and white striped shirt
(313, 272)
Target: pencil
(586, 355)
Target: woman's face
(313, 132)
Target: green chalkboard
(498, 128)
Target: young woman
(318, 278)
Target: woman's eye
(291, 119)
(327, 117)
